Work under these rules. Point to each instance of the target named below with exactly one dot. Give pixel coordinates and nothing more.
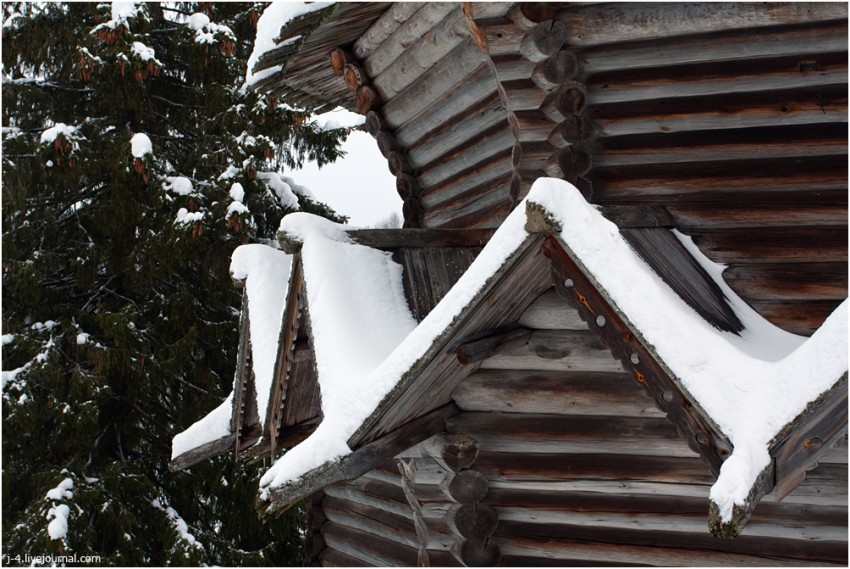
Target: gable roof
(400, 394)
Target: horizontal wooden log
(407, 186)
(330, 557)
(488, 174)
(369, 548)
(612, 157)
(532, 126)
(774, 244)
(479, 150)
(575, 161)
(555, 392)
(559, 467)
(555, 70)
(398, 163)
(477, 553)
(459, 87)
(387, 143)
(544, 40)
(801, 40)
(488, 212)
(601, 24)
(457, 131)
(771, 111)
(408, 26)
(691, 216)
(425, 53)
(825, 485)
(504, 38)
(387, 24)
(367, 99)
(574, 129)
(638, 216)
(538, 433)
(452, 452)
(558, 350)
(789, 281)
(780, 77)
(550, 312)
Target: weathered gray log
(544, 40)
(412, 26)
(367, 99)
(672, 87)
(387, 143)
(555, 350)
(531, 126)
(539, 11)
(375, 123)
(460, 129)
(523, 95)
(354, 77)
(203, 452)
(551, 312)
(411, 209)
(390, 21)
(479, 151)
(489, 173)
(452, 452)
(339, 59)
(555, 392)
(424, 53)
(472, 521)
(397, 163)
(601, 24)
(370, 549)
(465, 487)
(555, 70)
(487, 209)
(567, 100)
(438, 85)
(532, 156)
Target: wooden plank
(384, 27)
(330, 557)
(789, 281)
(489, 211)
(774, 244)
(550, 312)
(480, 347)
(421, 238)
(614, 23)
(471, 182)
(555, 392)
(722, 45)
(369, 548)
(556, 350)
(203, 452)
(539, 433)
(796, 316)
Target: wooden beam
(387, 24)
(203, 452)
(359, 461)
(741, 513)
(543, 41)
(549, 312)
(453, 452)
(638, 216)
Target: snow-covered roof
(749, 386)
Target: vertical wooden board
(302, 402)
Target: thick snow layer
(140, 145)
(213, 426)
(281, 189)
(273, 18)
(179, 524)
(198, 21)
(751, 385)
(234, 208)
(185, 217)
(58, 526)
(178, 185)
(62, 491)
(266, 272)
(49, 135)
(364, 336)
(144, 52)
(237, 192)
(747, 388)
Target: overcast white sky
(359, 185)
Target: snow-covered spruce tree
(133, 165)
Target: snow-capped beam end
(740, 513)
